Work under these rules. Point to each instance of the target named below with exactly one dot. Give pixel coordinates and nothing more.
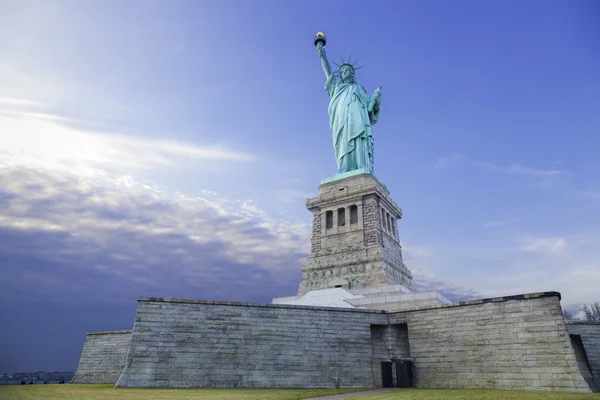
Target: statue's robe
(350, 121)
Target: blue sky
(166, 149)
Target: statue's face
(346, 73)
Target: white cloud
(41, 139)
(517, 169)
(413, 251)
(22, 89)
(418, 259)
(447, 161)
(500, 223)
(576, 278)
(454, 159)
(77, 187)
(18, 102)
(568, 264)
(543, 245)
(141, 234)
(291, 195)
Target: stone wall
(589, 334)
(516, 342)
(178, 343)
(103, 357)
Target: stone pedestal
(355, 241)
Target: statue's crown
(347, 63)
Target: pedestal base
(349, 174)
(355, 241)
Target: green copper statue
(351, 114)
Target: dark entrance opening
(404, 374)
(386, 374)
(398, 373)
(582, 361)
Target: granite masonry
(103, 357)
(355, 240)
(517, 342)
(355, 322)
(178, 343)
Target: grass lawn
(477, 394)
(105, 392)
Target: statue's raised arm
(320, 43)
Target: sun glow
(47, 141)
(42, 143)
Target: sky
(154, 148)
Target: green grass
(477, 394)
(105, 392)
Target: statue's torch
(320, 38)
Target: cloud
(447, 161)
(42, 140)
(18, 102)
(418, 260)
(81, 238)
(77, 236)
(452, 289)
(592, 194)
(534, 263)
(497, 224)
(543, 245)
(76, 225)
(451, 160)
(507, 264)
(517, 169)
(292, 195)
(23, 89)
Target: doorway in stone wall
(387, 375)
(392, 364)
(404, 373)
(397, 373)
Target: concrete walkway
(355, 394)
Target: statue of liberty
(351, 114)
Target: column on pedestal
(335, 220)
(359, 210)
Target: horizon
(167, 149)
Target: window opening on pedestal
(353, 215)
(341, 217)
(328, 219)
(388, 222)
